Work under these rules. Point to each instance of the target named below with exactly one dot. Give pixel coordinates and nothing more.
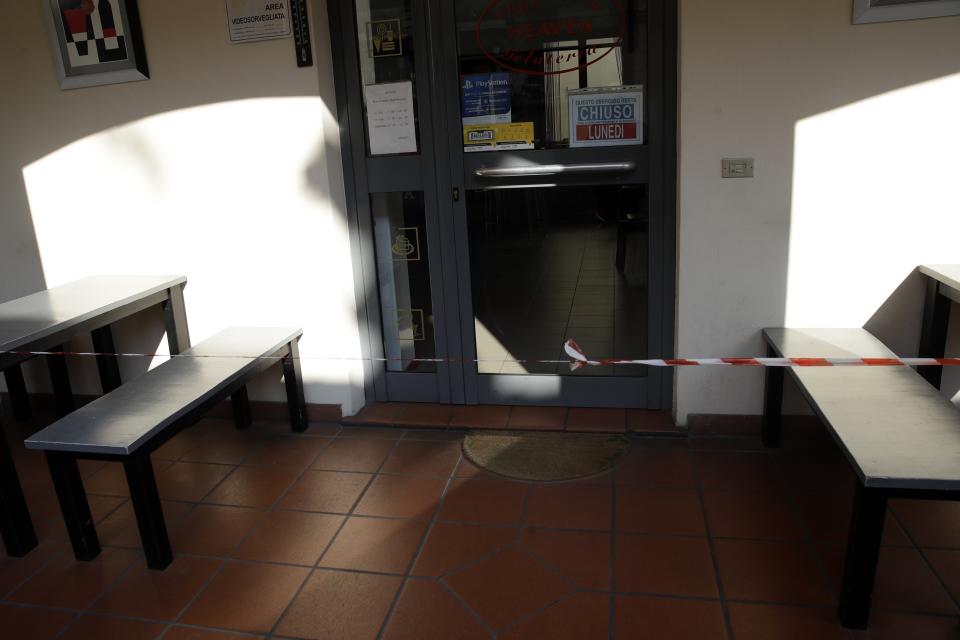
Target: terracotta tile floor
(355, 533)
(399, 414)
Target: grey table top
(121, 421)
(896, 429)
(31, 318)
(948, 274)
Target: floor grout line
(316, 567)
(926, 560)
(808, 540)
(420, 546)
(612, 616)
(715, 561)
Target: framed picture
(96, 42)
(866, 11)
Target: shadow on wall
(897, 323)
(817, 238)
(199, 170)
(192, 63)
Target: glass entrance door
(521, 202)
(555, 114)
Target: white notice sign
(258, 19)
(390, 125)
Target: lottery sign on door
(606, 116)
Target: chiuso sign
(606, 116)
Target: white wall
(224, 166)
(856, 136)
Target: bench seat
(130, 422)
(895, 429)
(901, 437)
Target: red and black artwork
(92, 31)
(97, 42)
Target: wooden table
(943, 289)
(44, 321)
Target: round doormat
(542, 456)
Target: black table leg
(149, 512)
(17, 392)
(175, 316)
(772, 425)
(293, 379)
(933, 331)
(107, 365)
(241, 408)
(863, 552)
(60, 379)
(73, 504)
(15, 525)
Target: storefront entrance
(510, 170)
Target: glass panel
(523, 61)
(555, 263)
(385, 37)
(403, 273)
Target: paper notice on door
(390, 122)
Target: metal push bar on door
(554, 169)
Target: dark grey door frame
(364, 175)
(437, 175)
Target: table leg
(772, 425)
(293, 379)
(17, 392)
(149, 512)
(175, 316)
(107, 365)
(240, 402)
(863, 552)
(60, 379)
(15, 525)
(73, 503)
(933, 331)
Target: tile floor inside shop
(388, 533)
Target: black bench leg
(772, 405)
(175, 316)
(15, 525)
(241, 408)
(17, 392)
(73, 504)
(293, 378)
(863, 552)
(146, 506)
(107, 365)
(60, 379)
(933, 331)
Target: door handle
(554, 169)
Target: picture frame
(869, 11)
(96, 42)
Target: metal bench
(901, 437)
(129, 423)
(43, 322)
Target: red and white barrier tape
(578, 359)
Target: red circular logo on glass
(549, 37)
